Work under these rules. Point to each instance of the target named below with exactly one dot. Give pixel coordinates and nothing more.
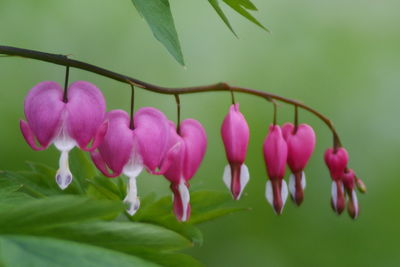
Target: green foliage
(241, 7)
(158, 15)
(87, 225)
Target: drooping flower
(127, 151)
(235, 135)
(185, 154)
(336, 160)
(349, 180)
(76, 122)
(275, 156)
(300, 142)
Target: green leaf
(241, 7)
(158, 15)
(105, 188)
(16, 251)
(160, 213)
(122, 236)
(215, 5)
(40, 213)
(169, 259)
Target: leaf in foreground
(35, 251)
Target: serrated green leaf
(104, 188)
(21, 251)
(158, 15)
(160, 213)
(39, 213)
(122, 236)
(240, 7)
(30, 181)
(81, 166)
(217, 8)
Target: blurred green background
(340, 57)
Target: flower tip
(297, 184)
(133, 205)
(181, 199)
(361, 186)
(63, 179)
(276, 194)
(236, 178)
(338, 198)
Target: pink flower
(349, 180)
(275, 156)
(337, 160)
(76, 122)
(235, 135)
(125, 150)
(301, 143)
(186, 151)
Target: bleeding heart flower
(349, 180)
(186, 151)
(275, 156)
(235, 135)
(300, 142)
(76, 122)
(336, 160)
(125, 150)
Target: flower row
(119, 144)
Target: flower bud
(301, 143)
(275, 156)
(235, 135)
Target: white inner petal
(334, 194)
(292, 185)
(63, 175)
(244, 178)
(269, 195)
(185, 197)
(284, 193)
(131, 197)
(132, 169)
(355, 201)
(227, 176)
(303, 180)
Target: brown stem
(178, 112)
(65, 61)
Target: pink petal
(300, 145)
(43, 108)
(86, 109)
(194, 137)
(29, 137)
(151, 131)
(275, 153)
(181, 199)
(336, 161)
(235, 135)
(172, 164)
(116, 148)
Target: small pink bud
(235, 135)
(336, 160)
(349, 179)
(301, 144)
(275, 156)
(185, 154)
